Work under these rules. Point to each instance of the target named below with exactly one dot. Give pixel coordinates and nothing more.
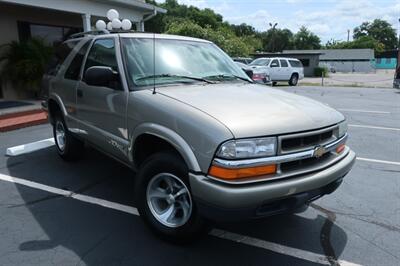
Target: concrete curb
(19, 120)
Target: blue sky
(327, 18)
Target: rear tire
(164, 199)
(274, 83)
(68, 147)
(294, 79)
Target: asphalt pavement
(82, 213)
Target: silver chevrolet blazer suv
(205, 143)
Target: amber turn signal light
(237, 173)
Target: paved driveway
(58, 213)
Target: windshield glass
(176, 61)
(260, 62)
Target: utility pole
(348, 35)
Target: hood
(259, 69)
(251, 110)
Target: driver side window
(103, 53)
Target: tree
(276, 40)
(362, 42)
(243, 30)
(380, 30)
(224, 37)
(305, 39)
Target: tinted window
(61, 53)
(74, 68)
(102, 53)
(295, 63)
(275, 61)
(283, 63)
(52, 35)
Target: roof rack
(99, 32)
(85, 33)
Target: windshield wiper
(230, 76)
(175, 76)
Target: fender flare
(58, 100)
(169, 136)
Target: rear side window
(284, 63)
(60, 54)
(74, 68)
(295, 63)
(102, 53)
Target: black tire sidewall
(166, 162)
(59, 118)
(292, 78)
(74, 148)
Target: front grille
(305, 163)
(306, 141)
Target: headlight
(342, 129)
(248, 148)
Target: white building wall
(349, 66)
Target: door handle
(79, 92)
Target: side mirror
(249, 72)
(100, 76)
(274, 65)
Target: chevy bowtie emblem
(319, 151)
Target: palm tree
(24, 63)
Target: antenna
(154, 63)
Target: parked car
(280, 69)
(205, 141)
(244, 60)
(256, 76)
(396, 80)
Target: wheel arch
(165, 139)
(55, 104)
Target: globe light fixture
(112, 14)
(116, 23)
(101, 25)
(126, 24)
(109, 26)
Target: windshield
(260, 62)
(176, 61)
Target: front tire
(164, 199)
(294, 79)
(68, 147)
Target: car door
(274, 69)
(285, 70)
(101, 111)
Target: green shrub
(24, 63)
(318, 71)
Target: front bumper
(219, 201)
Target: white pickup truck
(280, 69)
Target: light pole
(273, 26)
